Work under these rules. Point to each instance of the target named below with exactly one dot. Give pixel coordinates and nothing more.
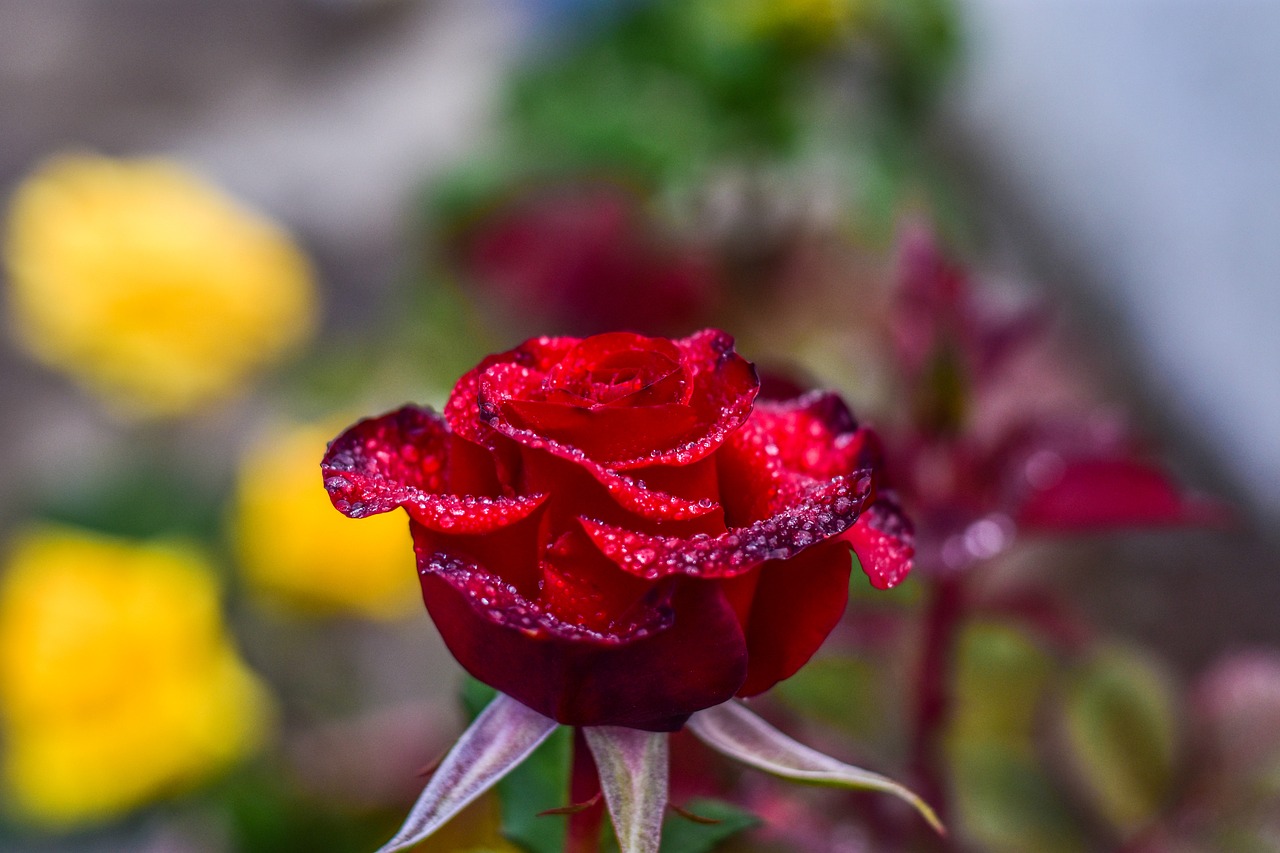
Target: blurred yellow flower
(147, 285)
(296, 549)
(118, 683)
(812, 22)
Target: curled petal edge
(825, 510)
(359, 475)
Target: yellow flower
(810, 22)
(118, 683)
(295, 548)
(149, 286)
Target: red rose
(614, 531)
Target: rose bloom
(616, 531)
(148, 286)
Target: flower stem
(933, 689)
(584, 785)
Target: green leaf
(539, 784)
(842, 691)
(681, 835)
(476, 696)
(1121, 730)
(1001, 675)
(1004, 800)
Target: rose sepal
(732, 730)
(499, 740)
(633, 777)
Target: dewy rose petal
(613, 532)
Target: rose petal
(632, 494)
(883, 540)
(583, 677)
(372, 466)
(825, 510)
(398, 460)
(784, 446)
(797, 603)
(604, 432)
(724, 387)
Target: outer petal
(784, 447)
(400, 459)
(677, 657)
(796, 605)
(824, 511)
(883, 540)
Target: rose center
(595, 374)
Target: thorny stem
(584, 827)
(933, 689)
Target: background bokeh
(458, 174)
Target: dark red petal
(580, 584)
(686, 653)
(824, 510)
(462, 411)
(796, 605)
(882, 539)
(723, 387)
(815, 435)
(604, 432)
(1092, 494)
(628, 492)
(620, 368)
(786, 445)
(399, 460)
(378, 462)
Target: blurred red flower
(584, 258)
(614, 531)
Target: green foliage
(656, 96)
(681, 835)
(540, 783)
(141, 497)
(1007, 802)
(1004, 800)
(843, 691)
(917, 42)
(266, 816)
(1120, 727)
